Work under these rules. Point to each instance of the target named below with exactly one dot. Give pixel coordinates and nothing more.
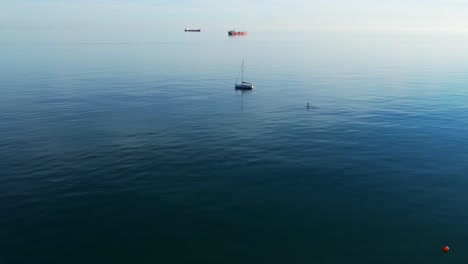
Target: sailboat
(243, 85)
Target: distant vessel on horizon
(236, 33)
(192, 30)
(243, 85)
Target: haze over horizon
(25, 20)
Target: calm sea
(143, 152)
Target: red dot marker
(446, 249)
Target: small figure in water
(307, 106)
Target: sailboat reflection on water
(243, 92)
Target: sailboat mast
(242, 70)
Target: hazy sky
(23, 17)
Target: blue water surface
(143, 152)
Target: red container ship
(236, 33)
